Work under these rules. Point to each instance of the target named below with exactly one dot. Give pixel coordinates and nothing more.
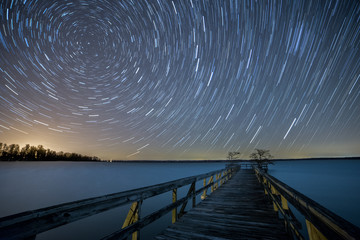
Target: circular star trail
(181, 79)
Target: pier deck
(237, 210)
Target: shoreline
(192, 161)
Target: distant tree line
(13, 152)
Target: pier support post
(174, 211)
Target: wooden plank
(237, 210)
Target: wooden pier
(241, 201)
(237, 210)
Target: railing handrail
(125, 232)
(34, 222)
(327, 222)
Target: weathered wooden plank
(202, 233)
(238, 210)
(221, 229)
(180, 235)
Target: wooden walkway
(237, 210)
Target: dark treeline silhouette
(13, 152)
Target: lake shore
(185, 161)
(230, 161)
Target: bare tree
(261, 156)
(233, 155)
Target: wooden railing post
(265, 184)
(275, 193)
(284, 203)
(132, 217)
(211, 180)
(221, 180)
(203, 196)
(216, 181)
(174, 211)
(190, 192)
(194, 195)
(314, 233)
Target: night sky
(164, 79)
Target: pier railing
(27, 225)
(249, 165)
(321, 223)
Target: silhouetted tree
(4, 151)
(261, 156)
(32, 153)
(50, 154)
(25, 152)
(60, 155)
(40, 153)
(233, 155)
(13, 151)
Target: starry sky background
(163, 79)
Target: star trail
(163, 79)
